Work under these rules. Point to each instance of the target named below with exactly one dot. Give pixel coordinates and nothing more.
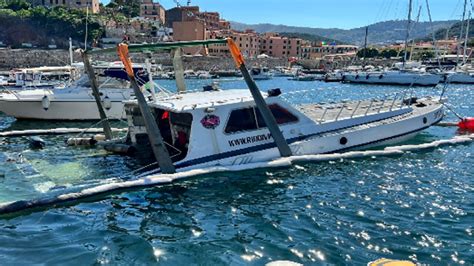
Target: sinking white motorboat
(223, 127)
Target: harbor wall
(18, 58)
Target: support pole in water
(95, 92)
(179, 70)
(156, 140)
(267, 115)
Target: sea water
(416, 206)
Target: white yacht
(393, 77)
(75, 101)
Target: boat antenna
(433, 34)
(408, 33)
(458, 44)
(87, 22)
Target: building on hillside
(188, 31)
(92, 5)
(152, 11)
(247, 41)
(328, 51)
(277, 46)
(180, 14)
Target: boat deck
(343, 110)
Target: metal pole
(433, 35)
(95, 92)
(179, 70)
(408, 33)
(355, 109)
(267, 115)
(71, 57)
(150, 79)
(458, 44)
(466, 39)
(156, 140)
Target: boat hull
(393, 78)
(60, 110)
(383, 132)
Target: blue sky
(323, 13)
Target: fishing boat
(75, 101)
(233, 127)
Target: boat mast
(408, 33)
(71, 58)
(464, 59)
(458, 44)
(413, 40)
(87, 22)
(433, 34)
(365, 42)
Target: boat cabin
(199, 124)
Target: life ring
(45, 102)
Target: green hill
(21, 23)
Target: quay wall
(18, 58)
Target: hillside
(381, 32)
(454, 30)
(309, 37)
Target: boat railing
(375, 106)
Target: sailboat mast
(365, 42)
(433, 35)
(458, 44)
(413, 40)
(464, 59)
(408, 33)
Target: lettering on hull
(249, 140)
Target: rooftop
(201, 99)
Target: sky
(345, 14)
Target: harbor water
(418, 206)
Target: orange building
(277, 46)
(247, 41)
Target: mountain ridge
(381, 32)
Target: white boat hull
(62, 104)
(393, 78)
(59, 110)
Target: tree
(17, 5)
(368, 53)
(388, 53)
